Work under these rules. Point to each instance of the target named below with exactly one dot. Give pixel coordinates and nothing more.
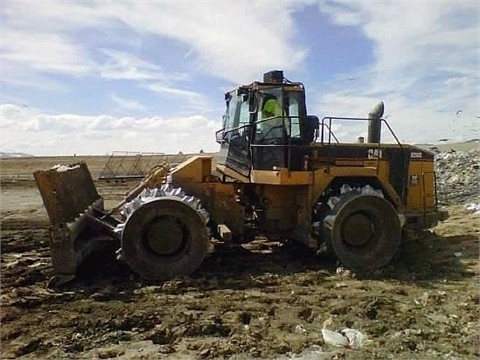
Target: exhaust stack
(374, 123)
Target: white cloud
(127, 104)
(425, 65)
(120, 65)
(159, 87)
(194, 100)
(461, 81)
(234, 40)
(44, 52)
(63, 134)
(53, 15)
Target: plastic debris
(64, 168)
(422, 300)
(299, 329)
(343, 272)
(346, 338)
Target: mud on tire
(363, 231)
(165, 234)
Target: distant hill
(7, 154)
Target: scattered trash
(344, 272)
(458, 254)
(422, 300)
(438, 318)
(473, 208)
(340, 285)
(407, 332)
(299, 329)
(346, 338)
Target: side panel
(429, 189)
(290, 197)
(377, 171)
(195, 178)
(421, 186)
(286, 213)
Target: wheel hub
(165, 236)
(357, 229)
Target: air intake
(273, 77)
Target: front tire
(164, 238)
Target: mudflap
(79, 224)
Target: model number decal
(414, 179)
(415, 155)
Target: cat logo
(374, 154)
(416, 155)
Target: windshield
(280, 114)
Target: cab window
(237, 114)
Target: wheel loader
(280, 173)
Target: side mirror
(220, 136)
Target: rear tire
(164, 238)
(364, 231)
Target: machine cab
(266, 126)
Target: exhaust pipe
(374, 123)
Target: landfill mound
(458, 177)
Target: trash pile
(458, 177)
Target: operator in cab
(271, 119)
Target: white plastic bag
(347, 338)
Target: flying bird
(459, 111)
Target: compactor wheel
(164, 237)
(364, 231)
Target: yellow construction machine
(280, 173)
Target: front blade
(67, 191)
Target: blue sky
(92, 77)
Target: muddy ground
(263, 300)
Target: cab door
(282, 133)
(234, 138)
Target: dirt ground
(264, 300)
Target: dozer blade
(79, 224)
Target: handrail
(222, 135)
(329, 126)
